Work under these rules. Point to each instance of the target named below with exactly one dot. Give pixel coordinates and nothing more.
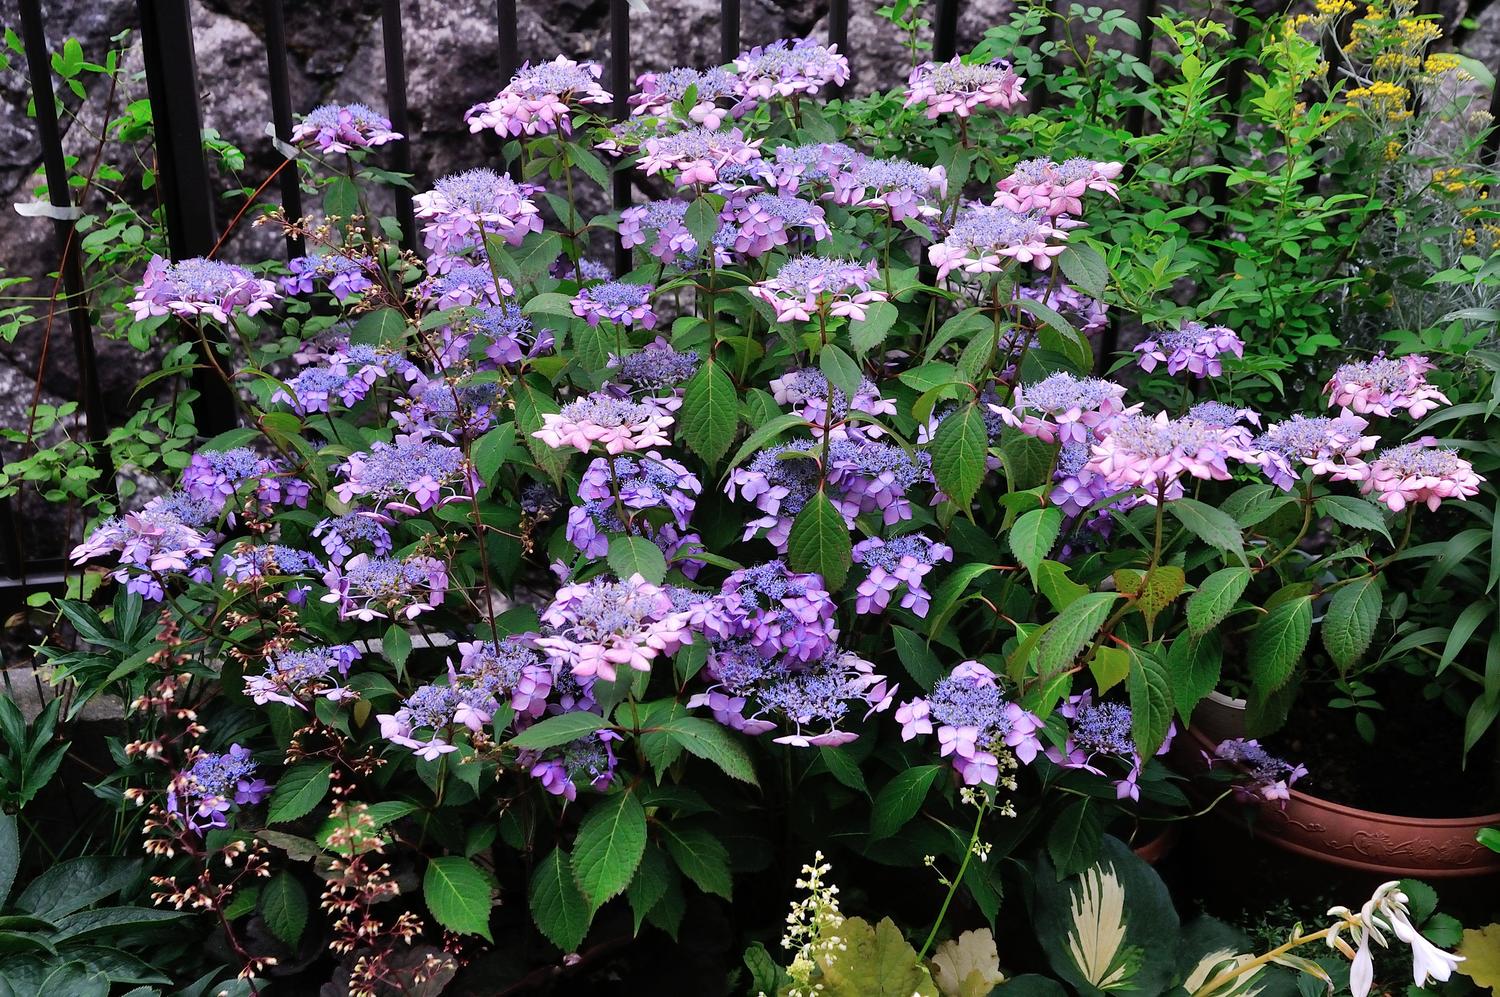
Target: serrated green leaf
(1074, 839)
(958, 451)
(1150, 689)
(609, 846)
(1194, 664)
(531, 405)
(869, 332)
(819, 542)
(702, 223)
(558, 730)
(650, 884)
(899, 800)
(637, 556)
(1213, 526)
(283, 906)
(712, 742)
(709, 414)
(701, 856)
(301, 788)
(1109, 666)
(1277, 643)
(558, 906)
(840, 370)
(1085, 269)
(1362, 514)
(395, 647)
(1350, 621)
(1072, 631)
(1033, 536)
(920, 663)
(1215, 599)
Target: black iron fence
(187, 195)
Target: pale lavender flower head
(294, 677)
(339, 535)
(655, 367)
(344, 276)
(1086, 314)
(649, 481)
(156, 541)
(807, 285)
(1064, 408)
(815, 165)
(711, 89)
(447, 409)
(1328, 445)
(904, 560)
(202, 794)
(698, 155)
(596, 628)
(1076, 487)
(1262, 777)
(870, 476)
(199, 287)
(540, 99)
(1195, 348)
(762, 222)
(216, 475)
(661, 227)
(790, 67)
(1383, 386)
(343, 127)
(1099, 734)
(617, 301)
(806, 392)
(777, 610)
(962, 88)
(779, 480)
(407, 477)
(1139, 451)
(1056, 189)
(1420, 473)
(904, 189)
(589, 761)
(510, 335)
(974, 722)
(984, 237)
(464, 284)
(369, 588)
(618, 424)
(248, 563)
(462, 209)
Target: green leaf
(900, 799)
(10, 855)
(558, 730)
(1085, 269)
(764, 434)
(1277, 643)
(558, 907)
(283, 906)
(341, 198)
(920, 663)
(841, 371)
(844, 768)
(870, 332)
(1213, 526)
(1109, 666)
(712, 742)
(1468, 621)
(1150, 689)
(819, 542)
(701, 856)
(958, 453)
(1215, 599)
(1028, 461)
(1349, 624)
(395, 647)
(491, 452)
(651, 882)
(637, 556)
(531, 405)
(702, 223)
(710, 410)
(873, 961)
(1073, 842)
(1194, 664)
(1072, 631)
(609, 846)
(458, 894)
(1362, 514)
(1033, 535)
(301, 788)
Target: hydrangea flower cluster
(658, 92)
(661, 226)
(975, 723)
(1076, 487)
(409, 477)
(790, 68)
(154, 541)
(540, 99)
(1087, 315)
(1099, 732)
(215, 476)
(776, 610)
(249, 562)
(903, 560)
(812, 166)
(1420, 473)
(597, 627)
(806, 392)
(762, 222)
(202, 793)
(510, 335)
(1153, 453)
(344, 127)
(369, 588)
(199, 287)
(655, 367)
(1195, 348)
(960, 88)
(463, 284)
(1328, 445)
(463, 208)
(589, 760)
(294, 677)
(779, 480)
(1264, 777)
(1056, 189)
(618, 424)
(984, 237)
(347, 377)
(343, 276)
(616, 301)
(1063, 408)
(699, 156)
(805, 286)
(1383, 386)
(903, 189)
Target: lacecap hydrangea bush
(526, 577)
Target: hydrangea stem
(984, 805)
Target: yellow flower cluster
(1443, 63)
(1381, 97)
(1396, 62)
(1487, 234)
(1451, 180)
(1393, 150)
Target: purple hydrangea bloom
(962, 88)
(788, 68)
(762, 222)
(1263, 778)
(1138, 451)
(777, 610)
(369, 588)
(808, 285)
(869, 476)
(649, 481)
(903, 189)
(655, 367)
(1086, 314)
(463, 284)
(197, 287)
(984, 237)
(292, 677)
(974, 723)
(510, 335)
(248, 562)
(618, 424)
(340, 534)
(408, 477)
(1328, 445)
(342, 127)
(540, 99)
(1064, 408)
(1383, 386)
(807, 392)
(590, 760)
(597, 627)
(903, 560)
(699, 155)
(203, 793)
(1056, 189)
(618, 301)
(1077, 487)
(1195, 348)
(1420, 472)
(446, 409)
(1100, 732)
(344, 276)
(658, 92)
(155, 541)
(779, 480)
(463, 208)
(817, 164)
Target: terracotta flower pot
(1384, 844)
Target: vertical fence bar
(281, 115)
(510, 57)
(838, 32)
(1136, 119)
(187, 196)
(945, 31)
(619, 83)
(395, 108)
(729, 30)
